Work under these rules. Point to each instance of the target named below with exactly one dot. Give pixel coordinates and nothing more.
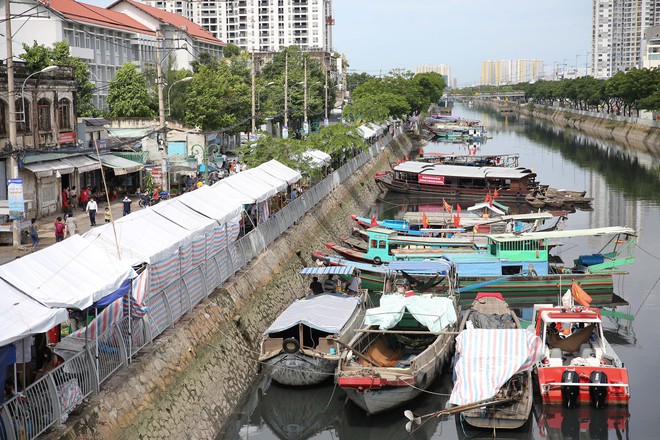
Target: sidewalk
(47, 228)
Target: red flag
(446, 205)
(458, 208)
(457, 221)
(495, 194)
(488, 197)
(374, 222)
(425, 220)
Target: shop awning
(279, 170)
(49, 167)
(118, 164)
(83, 164)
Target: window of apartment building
(23, 124)
(64, 114)
(3, 117)
(43, 115)
(76, 40)
(88, 42)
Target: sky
(378, 35)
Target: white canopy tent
(278, 169)
(366, 131)
(257, 190)
(263, 176)
(376, 128)
(143, 236)
(175, 211)
(221, 205)
(318, 157)
(22, 316)
(72, 274)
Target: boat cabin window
(511, 270)
(378, 244)
(524, 245)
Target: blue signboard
(15, 199)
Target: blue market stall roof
(212, 167)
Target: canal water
(626, 191)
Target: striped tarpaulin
(486, 359)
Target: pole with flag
(425, 220)
(446, 205)
(374, 222)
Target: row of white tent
(81, 270)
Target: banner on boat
(431, 180)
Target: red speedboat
(580, 366)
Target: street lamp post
(285, 129)
(44, 70)
(169, 109)
(305, 123)
(325, 120)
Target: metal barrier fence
(49, 400)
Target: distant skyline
(377, 36)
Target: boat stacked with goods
(302, 346)
(401, 349)
(493, 366)
(579, 365)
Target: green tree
(341, 141)
(129, 95)
(231, 50)
(433, 85)
(39, 56)
(354, 80)
(219, 98)
(288, 151)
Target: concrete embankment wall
(636, 136)
(190, 381)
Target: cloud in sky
(380, 35)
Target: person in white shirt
(91, 210)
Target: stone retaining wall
(639, 137)
(190, 381)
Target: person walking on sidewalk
(34, 233)
(73, 198)
(127, 205)
(84, 198)
(71, 226)
(59, 230)
(91, 210)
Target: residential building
(618, 28)
(651, 48)
(261, 25)
(499, 72)
(106, 39)
(442, 69)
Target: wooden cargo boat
(456, 181)
(491, 336)
(402, 348)
(302, 346)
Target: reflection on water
(626, 189)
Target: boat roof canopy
(463, 171)
(593, 232)
(328, 270)
(420, 267)
(326, 313)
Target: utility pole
(325, 120)
(285, 129)
(161, 109)
(305, 123)
(254, 110)
(12, 164)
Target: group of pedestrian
(330, 285)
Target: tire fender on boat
(291, 345)
(377, 260)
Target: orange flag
(458, 208)
(374, 222)
(457, 221)
(495, 194)
(488, 197)
(425, 220)
(580, 295)
(446, 205)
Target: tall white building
(442, 69)
(499, 72)
(261, 25)
(617, 32)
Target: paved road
(47, 228)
